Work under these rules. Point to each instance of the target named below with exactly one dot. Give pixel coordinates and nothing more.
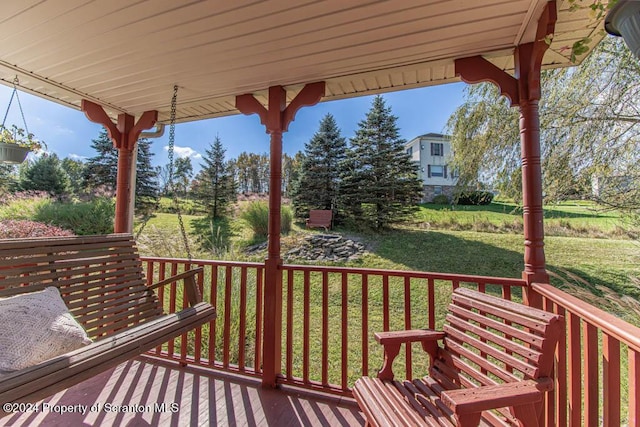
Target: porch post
(124, 135)
(524, 91)
(276, 120)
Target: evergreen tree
(182, 175)
(319, 181)
(146, 179)
(380, 182)
(75, 170)
(7, 177)
(46, 174)
(102, 170)
(215, 189)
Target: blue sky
(67, 132)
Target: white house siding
(421, 153)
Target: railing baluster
(431, 297)
(560, 389)
(198, 333)
(306, 314)
(407, 324)
(258, 349)
(385, 303)
(242, 312)
(591, 375)
(172, 306)
(325, 328)
(226, 338)
(213, 291)
(365, 324)
(345, 331)
(184, 337)
(634, 387)
(575, 372)
(289, 350)
(611, 381)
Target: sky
(68, 133)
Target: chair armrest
(392, 340)
(467, 404)
(190, 286)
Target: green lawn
(575, 218)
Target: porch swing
(73, 307)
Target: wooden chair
(494, 367)
(101, 280)
(320, 218)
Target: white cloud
(61, 130)
(184, 152)
(77, 157)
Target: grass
(573, 219)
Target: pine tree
(380, 182)
(46, 174)
(146, 179)
(216, 189)
(75, 170)
(102, 171)
(319, 180)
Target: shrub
(22, 228)
(256, 214)
(475, 198)
(24, 204)
(440, 199)
(84, 218)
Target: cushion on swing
(35, 327)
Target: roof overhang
(126, 55)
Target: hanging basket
(13, 153)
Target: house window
(437, 149)
(410, 151)
(437, 170)
(437, 190)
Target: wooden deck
(192, 396)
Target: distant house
(432, 152)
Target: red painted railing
(331, 314)
(233, 339)
(596, 361)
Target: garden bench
(320, 218)
(493, 368)
(102, 284)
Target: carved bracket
(125, 133)
(278, 117)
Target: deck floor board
(202, 398)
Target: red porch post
(276, 120)
(524, 91)
(124, 135)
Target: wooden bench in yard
(320, 218)
(492, 368)
(101, 281)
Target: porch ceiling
(127, 54)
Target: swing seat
(102, 284)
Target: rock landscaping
(327, 247)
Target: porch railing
(331, 313)
(597, 365)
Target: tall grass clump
(256, 215)
(24, 205)
(84, 218)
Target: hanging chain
(16, 83)
(172, 186)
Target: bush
(475, 198)
(84, 218)
(20, 229)
(24, 204)
(256, 214)
(440, 199)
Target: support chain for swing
(172, 137)
(16, 83)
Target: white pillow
(35, 327)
